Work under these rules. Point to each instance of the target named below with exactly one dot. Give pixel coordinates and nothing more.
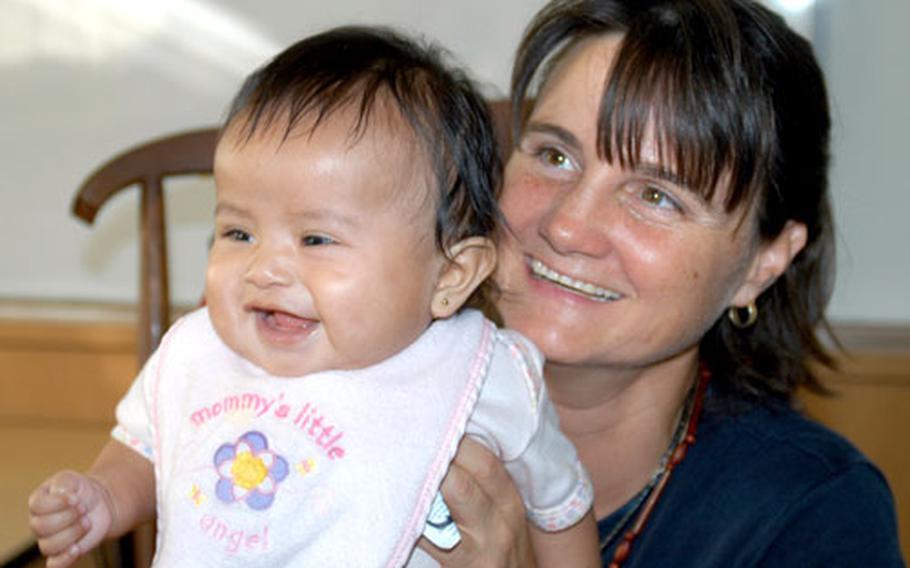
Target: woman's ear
(772, 260)
(470, 262)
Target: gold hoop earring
(735, 315)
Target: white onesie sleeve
(135, 412)
(515, 418)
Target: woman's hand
(484, 503)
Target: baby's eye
(657, 197)
(237, 235)
(316, 240)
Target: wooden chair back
(148, 165)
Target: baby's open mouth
(283, 321)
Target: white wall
(865, 51)
(83, 79)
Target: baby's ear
(470, 262)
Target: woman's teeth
(540, 270)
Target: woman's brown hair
(737, 98)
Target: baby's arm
(71, 513)
(542, 461)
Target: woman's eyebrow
(559, 132)
(661, 173)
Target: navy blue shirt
(768, 487)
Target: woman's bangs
(656, 94)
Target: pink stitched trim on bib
(454, 431)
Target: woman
(669, 248)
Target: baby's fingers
(65, 559)
(51, 523)
(46, 500)
(63, 542)
(60, 491)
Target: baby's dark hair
(361, 67)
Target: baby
(307, 415)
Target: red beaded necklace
(621, 554)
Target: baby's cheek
(214, 279)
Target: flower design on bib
(249, 471)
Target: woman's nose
(578, 222)
(270, 266)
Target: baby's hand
(70, 514)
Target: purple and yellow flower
(249, 471)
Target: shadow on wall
(189, 35)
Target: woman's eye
(237, 235)
(316, 240)
(659, 198)
(555, 158)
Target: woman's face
(607, 266)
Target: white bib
(337, 468)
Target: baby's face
(324, 254)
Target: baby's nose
(270, 266)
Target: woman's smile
(543, 272)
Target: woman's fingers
(486, 480)
(491, 519)
(478, 486)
